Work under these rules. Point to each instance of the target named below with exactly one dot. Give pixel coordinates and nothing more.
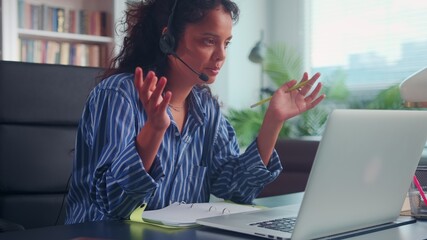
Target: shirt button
(177, 134)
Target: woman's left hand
(287, 104)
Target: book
(65, 53)
(185, 215)
(94, 55)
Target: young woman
(152, 133)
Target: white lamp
(413, 90)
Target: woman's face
(203, 45)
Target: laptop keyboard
(281, 224)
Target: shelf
(71, 37)
(23, 41)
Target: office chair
(40, 106)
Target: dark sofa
(296, 156)
(40, 106)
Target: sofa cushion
(296, 156)
(44, 94)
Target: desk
(129, 230)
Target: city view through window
(375, 43)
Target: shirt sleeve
(119, 182)
(239, 178)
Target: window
(376, 43)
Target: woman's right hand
(150, 92)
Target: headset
(167, 44)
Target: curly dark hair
(143, 25)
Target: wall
(238, 84)
(288, 23)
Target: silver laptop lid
(362, 171)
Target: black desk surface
(129, 230)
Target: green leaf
(387, 99)
(335, 86)
(246, 123)
(282, 64)
(312, 122)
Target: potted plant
(281, 64)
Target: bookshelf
(78, 32)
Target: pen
(420, 189)
(301, 84)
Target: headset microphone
(202, 76)
(167, 45)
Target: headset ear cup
(167, 43)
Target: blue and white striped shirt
(109, 180)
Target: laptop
(358, 182)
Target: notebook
(178, 215)
(358, 182)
